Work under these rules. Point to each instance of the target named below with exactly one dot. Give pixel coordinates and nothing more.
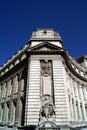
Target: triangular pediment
(45, 46)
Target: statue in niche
(47, 110)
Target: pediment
(45, 46)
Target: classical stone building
(42, 87)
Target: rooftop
(45, 34)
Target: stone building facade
(42, 87)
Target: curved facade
(43, 87)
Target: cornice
(47, 40)
(76, 64)
(74, 75)
(76, 69)
(49, 49)
(13, 71)
(16, 58)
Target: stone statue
(47, 110)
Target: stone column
(4, 110)
(85, 98)
(68, 95)
(19, 102)
(0, 93)
(71, 109)
(78, 104)
(7, 103)
(85, 93)
(10, 115)
(74, 102)
(0, 103)
(16, 84)
(83, 104)
(6, 114)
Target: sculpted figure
(47, 110)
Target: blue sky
(18, 18)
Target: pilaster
(4, 106)
(83, 105)
(10, 116)
(33, 93)
(59, 92)
(19, 103)
(0, 104)
(78, 103)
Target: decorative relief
(45, 68)
(47, 111)
(46, 77)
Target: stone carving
(46, 77)
(48, 124)
(45, 68)
(47, 110)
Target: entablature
(14, 60)
(75, 68)
(15, 70)
(12, 63)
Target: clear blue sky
(18, 18)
